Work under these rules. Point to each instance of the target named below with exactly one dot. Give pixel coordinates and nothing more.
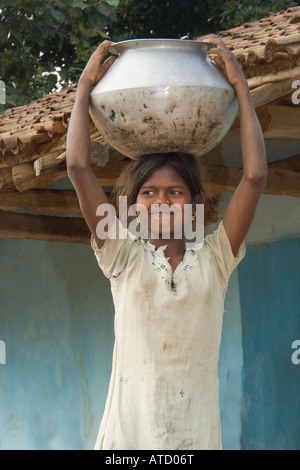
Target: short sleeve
(113, 256)
(219, 244)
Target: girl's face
(164, 187)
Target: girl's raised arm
(241, 209)
(89, 191)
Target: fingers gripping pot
(163, 95)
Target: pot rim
(121, 46)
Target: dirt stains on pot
(112, 117)
(125, 133)
(148, 120)
(198, 125)
(171, 108)
(213, 125)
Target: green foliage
(177, 18)
(160, 18)
(40, 38)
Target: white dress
(164, 388)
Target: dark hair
(138, 171)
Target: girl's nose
(162, 201)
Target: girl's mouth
(162, 213)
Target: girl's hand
(226, 61)
(96, 68)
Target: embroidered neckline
(162, 248)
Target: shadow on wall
(57, 324)
(270, 300)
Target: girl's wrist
(241, 85)
(85, 82)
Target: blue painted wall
(270, 303)
(230, 367)
(56, 319)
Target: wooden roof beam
(284, 123)
(269, 92)
(58, 229)
(44, 227)
(283, 178)
(40, 200)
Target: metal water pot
(163, 95)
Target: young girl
(169, 300)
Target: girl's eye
(147, 192)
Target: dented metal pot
(163, 95)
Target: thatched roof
(267, 46)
